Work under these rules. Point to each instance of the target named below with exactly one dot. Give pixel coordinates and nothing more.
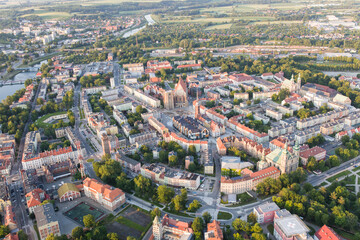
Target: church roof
(275, 155)
(181, 84)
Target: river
(149, 20)
(7, 90)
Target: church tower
(298, 83)
(157, 229)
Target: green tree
(77, 232)
(155, 212)
(251, 218)
(22, 235)
(165, 194)
(207, 217)
(89, 221)
(173, 160)
(198, 226)
(112, 236)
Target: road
(19, 203)
(17, 165)
(318, 179)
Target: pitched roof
(66, 188)
(109, 193)
(181, 84)
(327, 233)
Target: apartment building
(247, 181)
(47, 221)
(265, 213)
(167, 176)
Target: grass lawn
(270, 228)
(40, 122)
(339, 175)
(357, 168)
(224, 215)
(130, 223)
(350, 179)
(350, 236)
(220, 26)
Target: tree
(194, 206)
(256, 228)
(163, 156)
(207, 217)
(173, 160)
(334, 161)
(165, 194)
(155, 212)
(22, 235)
(130, 238)
(89, 221)
(251, 218)
(77, 232)
(4, 230)
(192, 150)
(345, 139)
(197, 226)
(112, 236)
(258, 236)
(178, 203)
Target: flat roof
(292, 225)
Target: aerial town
(180, 120)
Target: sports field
(82, 209)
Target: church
(176, 98)
(283, 159)
(291, 85)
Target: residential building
(326, 233)
(109, 197)
(10, 218)
(167, 176)
(200, 145)
(68, 192)
(190, 127)
(265, 212)
(214, 231)
(128, 163)
(251, 147)
(317, 152)
(169, 228)
(47, 221)
(35, 198)
(247, 181)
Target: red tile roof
(327, 233)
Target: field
(131, 222)
(82, 209)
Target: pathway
(354, 172)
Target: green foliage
(155, 212)
(89, 221)
(316, 141)
(284, 93)
(194, 206)
(165, 194)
